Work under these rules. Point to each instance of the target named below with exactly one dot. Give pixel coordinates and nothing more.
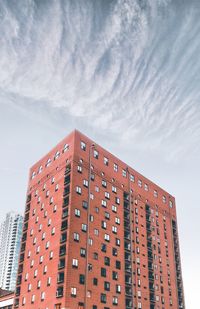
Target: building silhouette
(97, 234)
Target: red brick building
(97, 234)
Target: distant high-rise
(97, 235)
(10, 238)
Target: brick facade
(97, 234)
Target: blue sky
(124, 72)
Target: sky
(124, 72)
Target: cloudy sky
(124, 72)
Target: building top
(72, 145)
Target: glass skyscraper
(10, 239)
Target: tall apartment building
(97, 234)
(10, 237)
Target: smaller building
(6, 299)
(10, 240)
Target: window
(49, 281)
(170, 204)
(64, 225)
(140, 183)
(85, 183)
(95, 281)
(96, 154)
(89, 266)
(59, 292)
(117, 200)
(81, 279)
(96, 232)
(77, 212)
(155, 193)
(76, 237)
(33, 175)
(164, 199)
(114, 275)
(146, 187)
(29, 287)
(62, 250)
(61, 263)
(57, 155)
(104, 183)
(114, 251)
(105, 160)
(114, 229)
(91, 196)
(107, 237)
(57, 187)
(51, 255)
(107, 215)
(32, 298)
(53, 230)
(103, 298)
(85, 204)
(79, 169)
(132, 178)
(117, 220)
(118, 288)
(115, 166)
(107, 195)
(96, 189)
(45, 269)
(118, 264)
(117, 242)
(114, 208)
(75, 263)
(82, 252)
(106, 286)
(103, 247)
(78, 189)
(103, 272)
(107, 261)
(84, 227)
(73, 292)
(42, 295)
(61, 277)
(103, 203)
(83, 146)
(65, 213)
(115, 300)
(95, 256)
(41, 259)
(47, 244)
(48, 162)
(124, 173)
(114, 189)
(65, 148)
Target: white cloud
(123, 63)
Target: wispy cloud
(129, 67)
